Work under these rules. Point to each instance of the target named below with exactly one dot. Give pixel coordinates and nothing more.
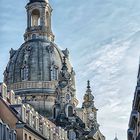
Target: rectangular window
(1, 131)
(24, 73)
(15, 136)
(54, 73)
(8, 133)
(2, 135)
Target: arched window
(70, 111)
(24, 73)
(35, 17)
(54, 73)
(1, 130)
(47, 19)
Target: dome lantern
(39, 1)
(39, 20)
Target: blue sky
(103, 38)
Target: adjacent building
(41, 100)
(20, 121)
(134, 122)
(7, 133)
(88, 114)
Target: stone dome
(37, 61)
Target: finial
(66, 53)
(64, 64)
(64, 60)
(88, 84)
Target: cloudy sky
(103, 37)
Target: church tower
(39, 20)
(89, 109)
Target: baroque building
(42, 78)
(133, 132)
(20, 121)
(33, 69)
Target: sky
(103, 37)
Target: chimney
(3, 91)
(12, 97)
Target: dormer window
(54, 73)
(24, 73)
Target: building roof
(11, 109)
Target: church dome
(33, 70)
(33, 73)
(36, 61)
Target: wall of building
(6, 115)
(27, 135)
(27, 122)
(19, 134)
(6, 133)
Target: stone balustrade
(32, 84)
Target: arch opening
(35, 17)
